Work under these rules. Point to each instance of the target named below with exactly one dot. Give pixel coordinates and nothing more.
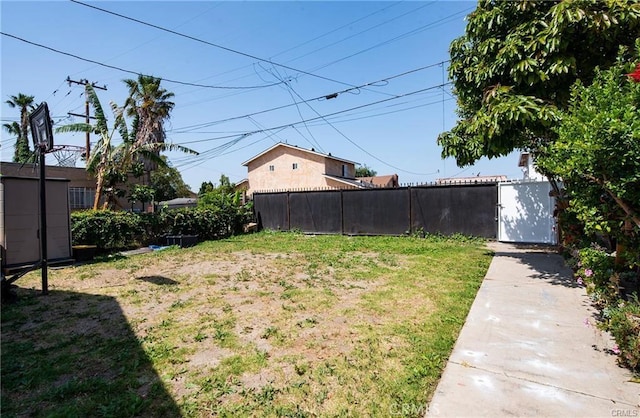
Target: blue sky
(386, 61)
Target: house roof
(179, 201)
(351, 182)
(380, 181)
(311, 151)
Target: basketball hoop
(67, 155)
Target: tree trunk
(99, 184)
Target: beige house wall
(309, 173)
(334, 168)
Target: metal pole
(43, 221)
(88, 134)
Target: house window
(295, 166)
(344, 170)
(272, 168)
(81, 197)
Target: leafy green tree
(141, 193)
(513, 68)
(149, 105)
(167, 182)
(365, 171)
(597, 150)
(25, 104)
(206, 187)
(219, 195)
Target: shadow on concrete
(74, 354)
(544, 261)
(158, 280)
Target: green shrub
(623, 321)
(111, 230)
(106, 229)
(596, 269)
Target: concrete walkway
(529, 347)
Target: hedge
(111, 230)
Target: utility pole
(85, 83)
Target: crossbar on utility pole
(85, 83)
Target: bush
(106, 229)
(624, 324)
(613, 289)
(596, 270)
(110, 230)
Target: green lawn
(270, 324)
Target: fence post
(288, 213)
(410, 229)
(342, 211)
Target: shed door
(526, 213)
(20, 206)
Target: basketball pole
(43, 220)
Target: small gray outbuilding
(20, 221)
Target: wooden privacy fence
(450, 209)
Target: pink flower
(588, 272)
(580, 282)
(615, 349)
(586, 322)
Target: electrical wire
(354, 143)
(168, 80)
(320, 117)
(193, 38)
(322, 97)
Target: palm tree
(150, 107)
(25, 103)
(112, 164)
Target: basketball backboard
(41, 127)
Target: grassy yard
(270, 324)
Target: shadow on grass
(158, 280)
(74, 354)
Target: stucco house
(289, 167)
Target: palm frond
(75, 127)
(98, 112)
(120, 122)
(164, 146)
(13, 128)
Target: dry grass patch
(261, 325)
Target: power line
(320, 117)
(305, 43)
(363, 31)
(193, 38)
(168, 80)
(402, 36)
(329, 96)
(342, 134)
(224, 149)
(337, 29)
